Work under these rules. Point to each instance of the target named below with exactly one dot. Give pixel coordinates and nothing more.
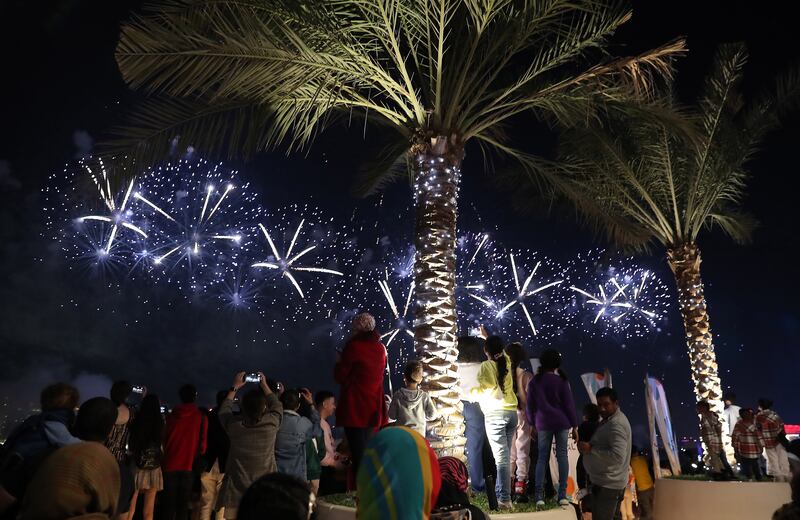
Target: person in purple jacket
(550, 409)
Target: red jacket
(182, 436)
(360, 372)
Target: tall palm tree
(241, 76)
(643, 181)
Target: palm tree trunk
(436, 177)
(685, 263)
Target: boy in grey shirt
(607, 458)
(411, 406)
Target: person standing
(551, 410)
(711, 433)
(360, 372)
(498, 397)
(185, 439)
(747, 443)
(771, 428)
(521, 446)
(252, 440)
(215, 458)
(325, 403)
(607, 457)
(294, 433)
(591, 420)
(146, 433)
(411, 406)
(470, 357)
(644, 485)
(731, 412)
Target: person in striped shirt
(770, 427)
(747, 443)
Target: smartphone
(251, 378)
(475, 332)
(163, 409)
(138, 390)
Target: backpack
(23, 452)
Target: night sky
(61, 91)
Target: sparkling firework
(620, 299)
(479, 267)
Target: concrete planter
(332, 512)
(689, 499)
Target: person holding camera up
(252, 439)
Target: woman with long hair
(146, 433)
(551, 411)
(520, 448)
(497, 393)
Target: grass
(480, 500)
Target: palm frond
(389, 165)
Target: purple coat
(550, 405)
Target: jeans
(545, 445)
(606, 503)
(750, 468)
(475, 433)
(500, 427)
(176, 495)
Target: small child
(748, 443)
(411, 406)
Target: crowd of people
(268, 449)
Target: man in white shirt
(731, 412)
(325, 402)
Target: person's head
(120, 391)
(221, 396)
(254, 405)
(591, 412)
(495, 352)
(413, 373)
(471, 349)
(363, 323)
(290, 399)
(95, 420)
(325, 402)
(516, 352)
(402, 478)
(59, 396)
(765, 404)
(455, 472)
(729, 398)
(276, 495)
(149, 424)
(188, 394)
(703, 407)
(607, 402)
(746, 414)
(549, 361)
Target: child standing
(747, 443)
(411, 406)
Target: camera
(251, 378)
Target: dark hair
(188, 394)
(254, 403)
(120, 391)
(221, 396)
(275, 495)
(410, 368)
(59, 396)
(607, 392)
(290, 399)
(148, 424)
(704, 405)
(516, 352)
(96, 418)
(765, 403)
(745, 411)
(470, 349)
(494, 346)
(322, 396)
(550, 360)
(730, 396)
(591, 412)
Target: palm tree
(245, 75)
(642, 181)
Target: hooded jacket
(182, 436)
(360, 372)
(290, 444)
(412, 408)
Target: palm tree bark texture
(684, 260)
(436, 168)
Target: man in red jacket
(360, 371)
(184, 439)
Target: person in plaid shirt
(747, 443)
(770, 428)
(711, 432)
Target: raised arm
(225, 414)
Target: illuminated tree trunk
(685, 263)
(436, 178)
